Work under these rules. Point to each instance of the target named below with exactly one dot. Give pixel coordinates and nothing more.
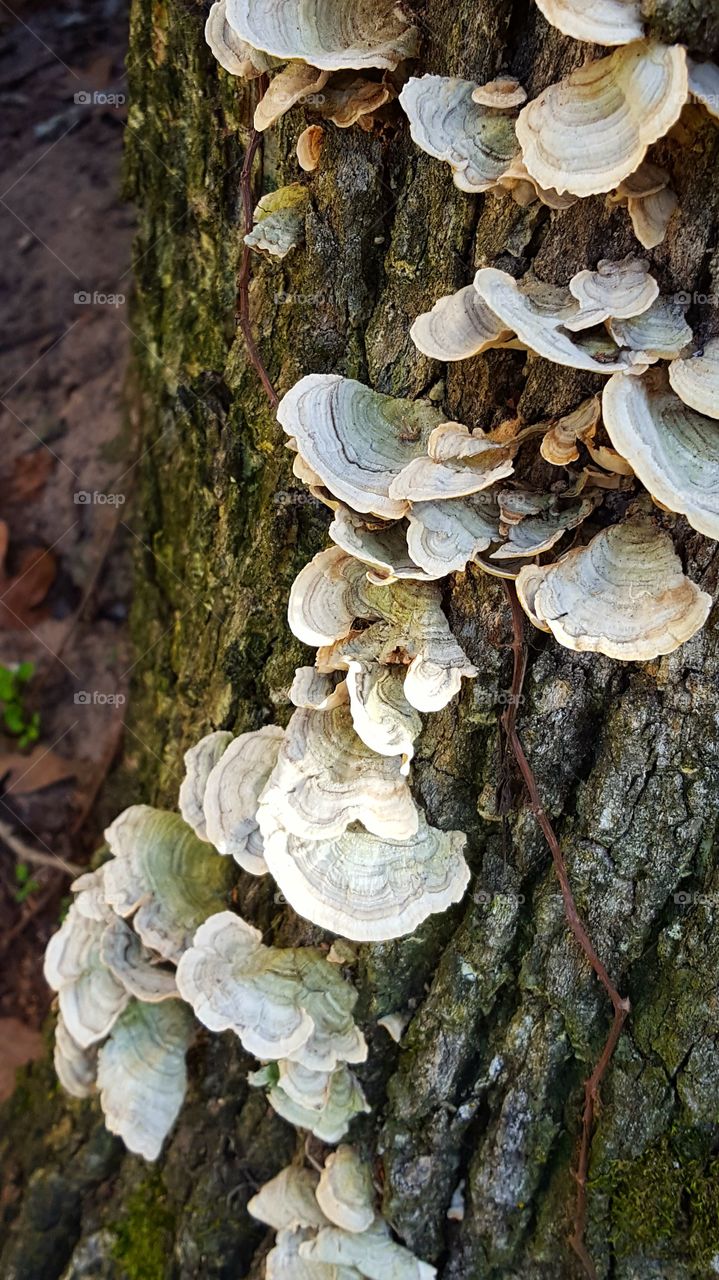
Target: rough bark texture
(507, 1019)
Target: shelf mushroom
(539, 313)
(142, 1076)
(288, 1200)
(624, 595)
(459, 325)
(354, 439)
(589, 132)
(607, 22)
(163, 876)
(408, 627)
(449, 124)
(327, 33)
(695, 379)
(280, 1002)
(344, 1192)
(90, 996)
(232, 792)
(673, 449)
(367, 887)
(342, 1100)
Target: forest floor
(65, 472)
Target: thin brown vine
(620, 1004)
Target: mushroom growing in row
(322, 44)
(122, 1029)
(327, 1224)
(289, 1007)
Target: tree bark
(507, 1019)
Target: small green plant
(25, 883)
(23, 725)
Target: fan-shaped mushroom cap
(133, 965)
(460, 462)
(673, 450)
(279, 220)
(525, 190)
(279, 1002)
(559, 445)
(459, 325)
(292, 84)
(616, 289)
(345, 1193)
(327, 33)
(89, 890)
(373, 1252)
(235, 55)
(350, 99)
(444, 536)
(381, 714)
(345, 1100)
(141, 1074)
(310, 688)
(91, 998)
(696, 379)
(332, 592)
(288, 1201)
(538, 314)
(650, 216)
(704, 84)
(355, 439)
(326, 778)
(232, 794)
(283, 1262)
(593, 129)
(365, 887)
(309, 147)
(647, 180)
(165, 875)
(623, 595)
(501, 93)
(538, 533)
(75, 1067)
(447, 124)
(199, 762)
(382, 547)
(661, 331)
(308, 1088)
(608, 22)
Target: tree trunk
(507, 1019)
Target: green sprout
(18, 721)
(25, 882)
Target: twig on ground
(36, 857)
(619, 1003)
(243, 282)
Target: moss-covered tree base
(486, 1087)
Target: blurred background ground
(66, 471)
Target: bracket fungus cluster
(327, 1224)
(291, 1008)
(122, 1029)
(586, 135)
(315, 48)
